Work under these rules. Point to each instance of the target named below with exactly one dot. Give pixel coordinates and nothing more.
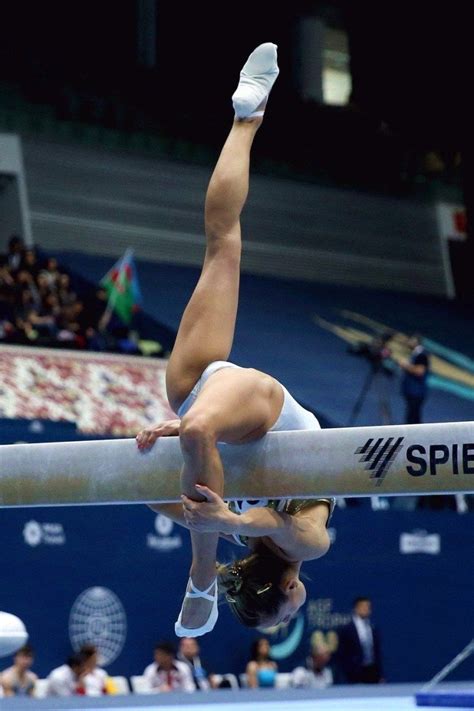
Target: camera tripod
(374, 378)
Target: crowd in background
(39, 306)
(79, 676)
(357, 659)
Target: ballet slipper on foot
(193, 592)
(256, 80)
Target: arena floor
(390, 697)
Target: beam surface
(359, 461)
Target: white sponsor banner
(49, 534)
(163, 540)
(420, 542)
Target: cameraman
(414, 381)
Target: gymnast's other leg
(205, 335)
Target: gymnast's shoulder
(304, 535)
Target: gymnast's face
(295, 597)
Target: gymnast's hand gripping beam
(360, 461)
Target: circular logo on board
(98, 617)
(32, 533)
(163, 525)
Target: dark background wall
(410, 67)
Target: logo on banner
(98, 617)
(163, 540)
(50, 534)
(286, 640)
(378, 455)
(320, 614)
(420, 542)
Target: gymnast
(218, 401)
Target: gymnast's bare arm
(300, 536)
(147, 437)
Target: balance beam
(359, 461)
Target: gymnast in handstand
(217, 401)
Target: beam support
(359, 461)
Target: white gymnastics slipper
(256, 80)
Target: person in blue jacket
(414, 381)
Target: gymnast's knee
(196, 431)
(224, 246)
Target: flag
(123, 290)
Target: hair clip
(265, 589)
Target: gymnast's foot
(199, 610)
(256, 80)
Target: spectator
(7, 283)
(261, 671)
(43, 284)
(359, 656)
(167, 673)
(30, 262)
(96, 680)
(38, 307)
(68, 679)
(25, 281)
(14, 254)
(188, 653)
(66, 296)
(317, 674)
(18, 680)
(51, 273)
(414, 382)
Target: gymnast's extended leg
(205, 335)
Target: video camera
(376, 352)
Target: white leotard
(292, 415)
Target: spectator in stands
(14, 255)
(167, 673)
(43, 284)
(261, 671)
(51, 273)
(96, 680)
(7, 329)
(317, 674)
(7, 283)
(19, 680)
(188, 652)
(359, 655)
(66, 296)
(414, 381)
(68, 679)
(25, 281)
(30, 262)
(39, 307)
